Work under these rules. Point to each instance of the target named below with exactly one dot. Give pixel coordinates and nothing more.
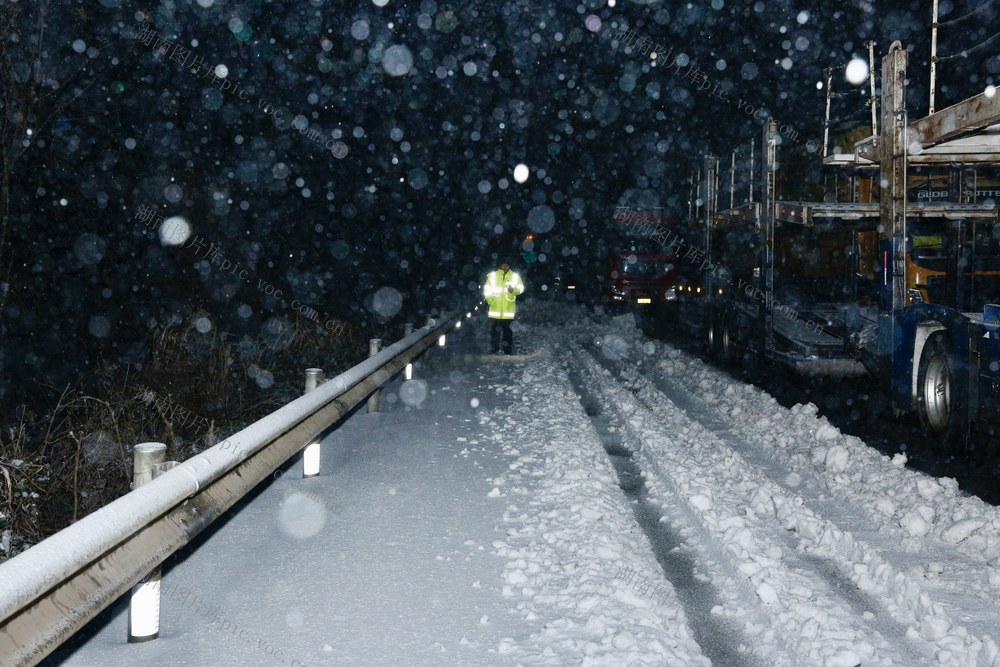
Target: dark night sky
(428, 106)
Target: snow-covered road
(839, 555)
(599, 499)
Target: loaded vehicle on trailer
(900, 281)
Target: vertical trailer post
(711, 200)
(691, 192)
(826, 117)
(769, 196)
(872, 99)
(892, 215)
(697, 202)
(934, 58)
(732, 181)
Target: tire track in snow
(927, 580)
(567, 530)
(736, 507)
(720, 639)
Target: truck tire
(941, 398)
(729, 347)
(711, 337)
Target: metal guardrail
(54, 588)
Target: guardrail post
(310, 456)
(374, 345)
(144, 603)
(408, 371)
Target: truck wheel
(729, 350)
(711, 337)
(941, 400)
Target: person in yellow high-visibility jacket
(501, 291)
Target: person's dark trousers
(501, 328)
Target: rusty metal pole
(892, 205)
(826, 117)
(873, 100)
(934, 58)
(374, 345)
(144, 603)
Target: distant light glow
(990, 91)
(856, 72)
(521, 173)
(174, 231)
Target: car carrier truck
(901, 280)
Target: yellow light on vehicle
(644, 300)
(571, 287)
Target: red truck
(641, 269)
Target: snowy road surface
(597, 499)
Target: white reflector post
(312, 378)
(374, 401)
(310, 460)
(144, 604)
(310, 456)
(441, 341)
(408, 372)
(144, 610)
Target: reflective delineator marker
(310, 460)
(144, 609)
(144, 603)
(311, 454)
(375, 400)
(441, 341)
(408, 372)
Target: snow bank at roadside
(935, 560)
(904, 501)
